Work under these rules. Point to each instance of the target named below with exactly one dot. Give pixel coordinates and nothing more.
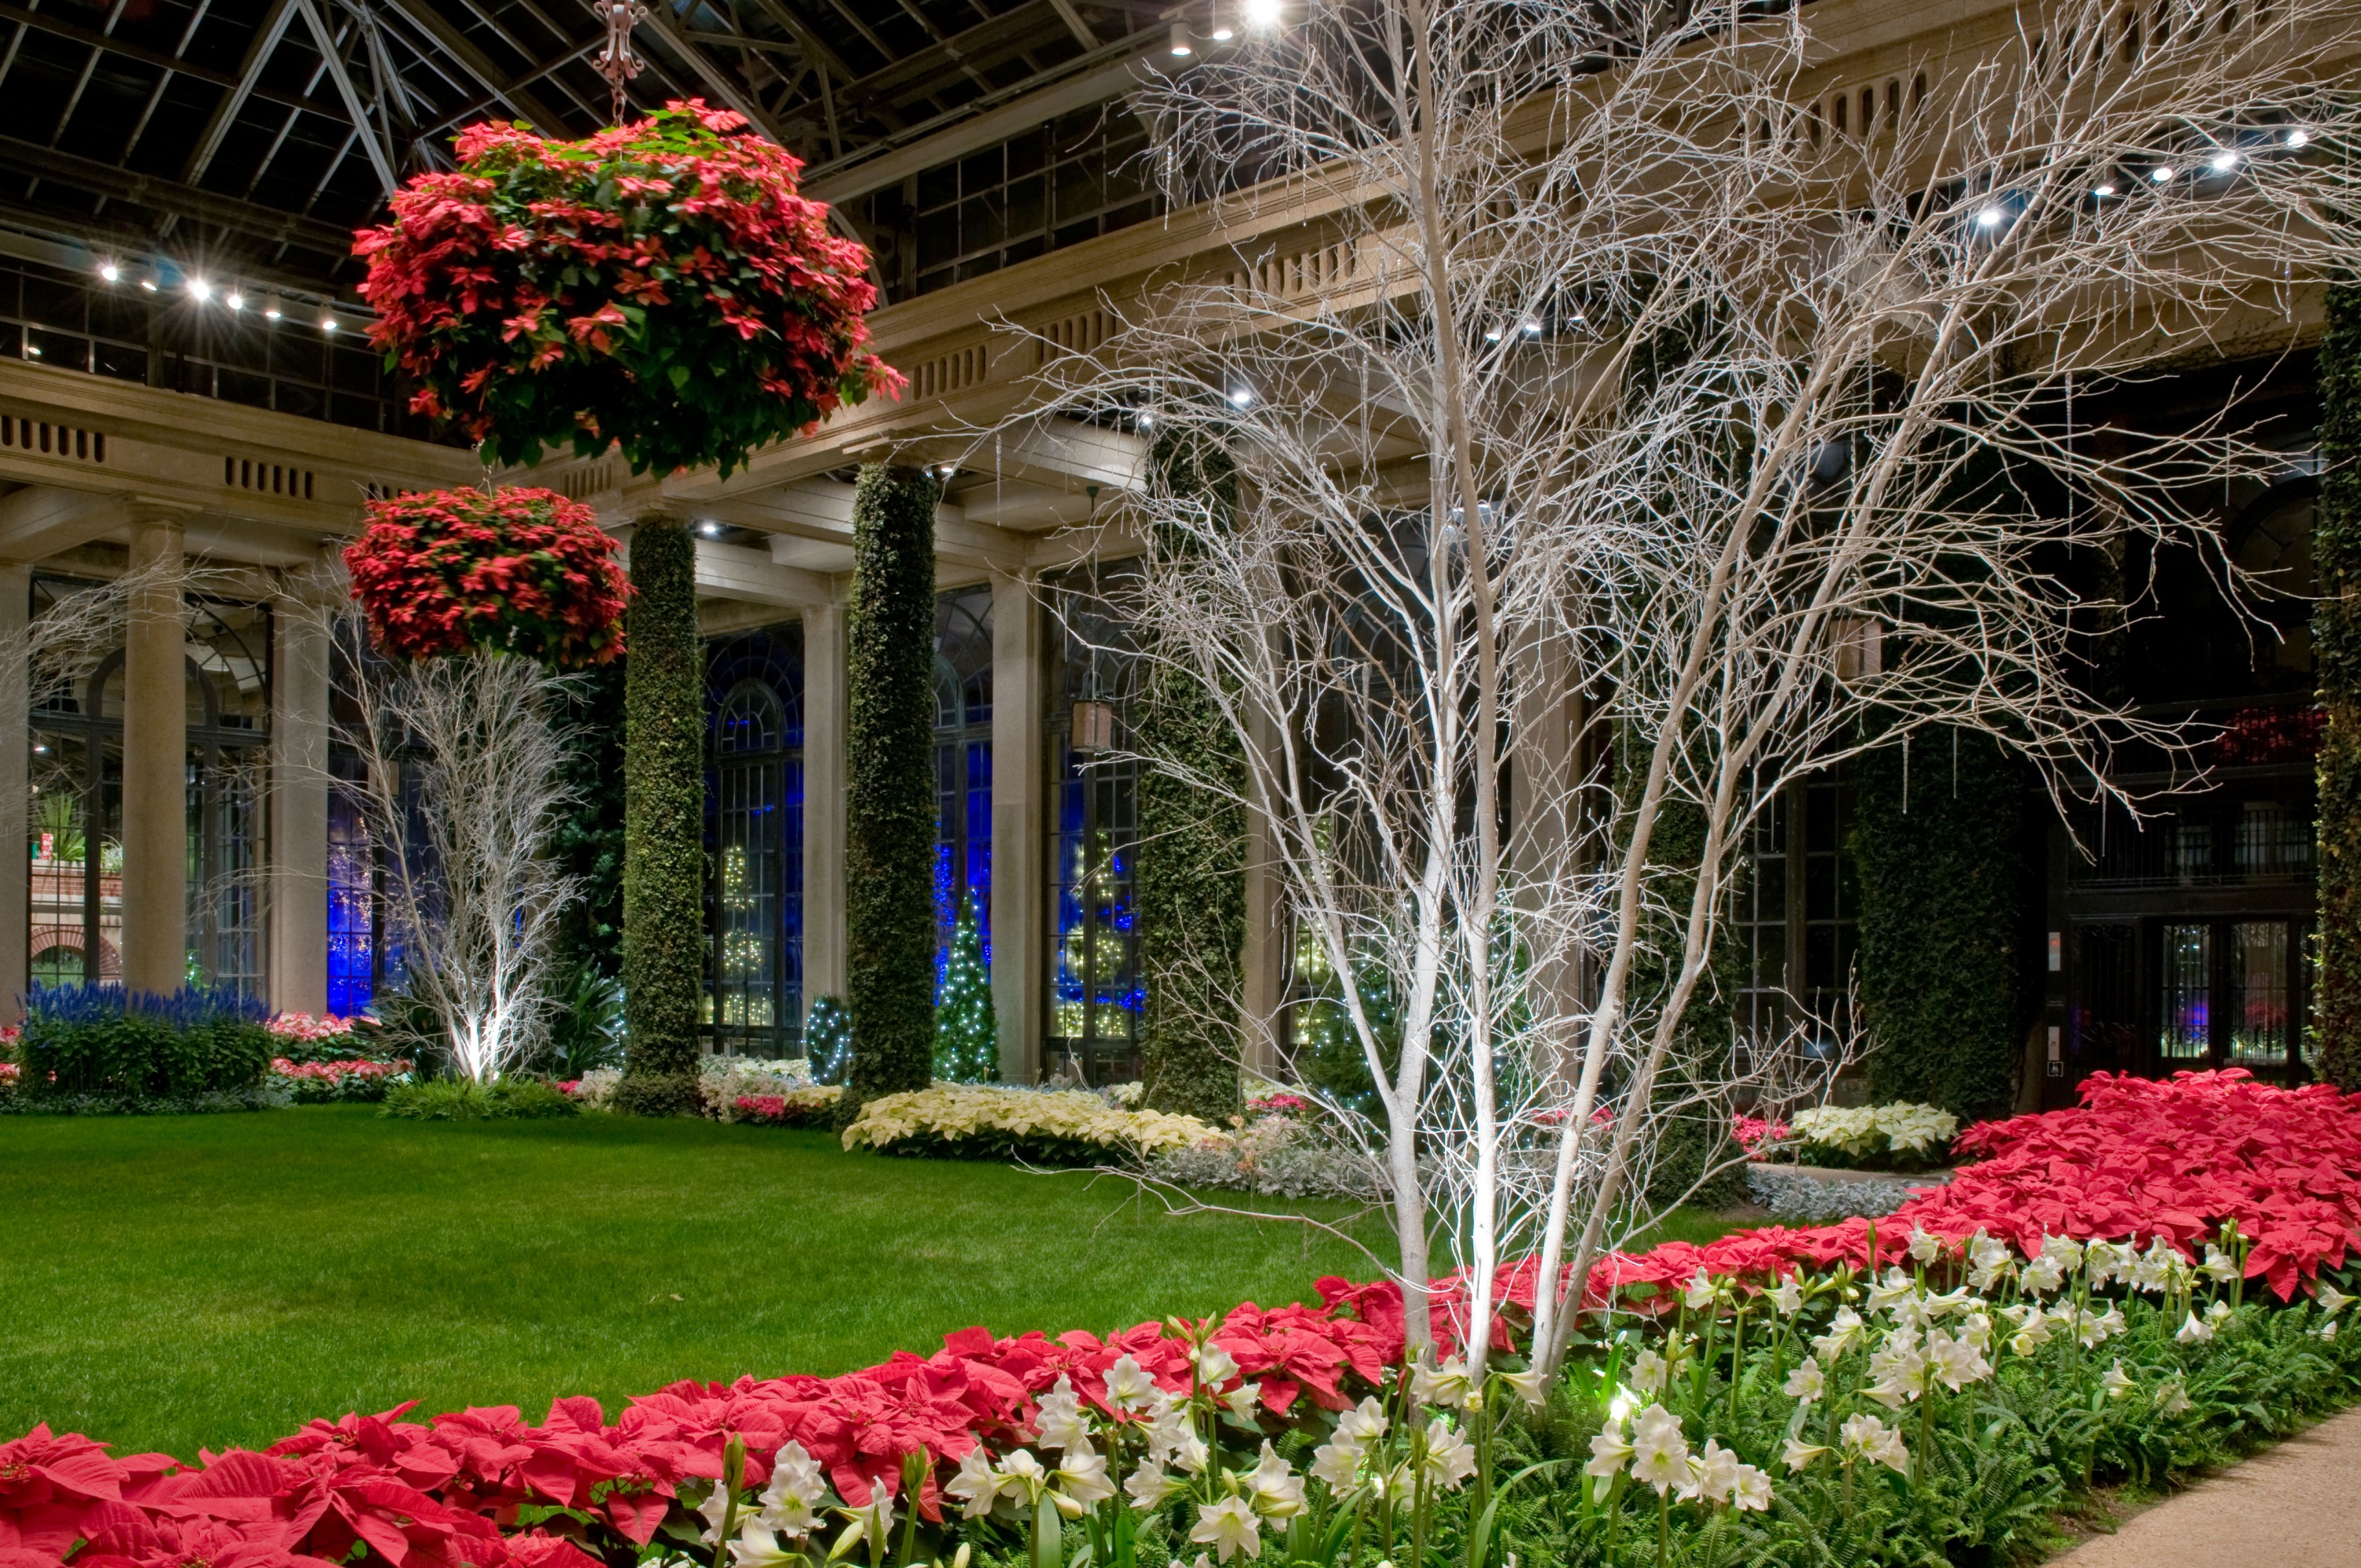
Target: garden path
(2294, 1506)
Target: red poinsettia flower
(523, 571)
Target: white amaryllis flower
(1081, 1475)
(1128, 1387)
(2064, 1251)
(2107, 1261)
(2195, 1330)
(1923, 1247)
(1215, 1367)
(1659, 1454)
(1891, 1292)
(1529, 1386)
(1700, 1293)
(2330, 1299)
(799, 1490)
(2217, 1312)
(2106, 1326)
(2044, 1275)
(716, 1511)
(1228, 1526)
(1845, 1331)
(1061, 1423)
(1447, 1387)
(1242, 1400)
(2328, 1330)
(1786, 1296)
(1752, 1490)
(1275, 1490)
(1712, 1474)
(2152, 1269)
(1363, 1424)
(1866, 1437)
(2117, 1381)
(757, 1547)
(1989, 1261)
(1951, 1304)
(2219, 1265)
(1450, 1458)
(1610, 1451)
(1647, 1374)
(1956, 1363)
(2171, 1399)
(1800, 1455)
(1337, 1466)
(872, 1520)
(1150, 1487)
(976, 1485)
(1807, 1382)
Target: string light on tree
(967, 1033)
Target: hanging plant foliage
(659, 286)
(524, 571)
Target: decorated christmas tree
(967, 1036)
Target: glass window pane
(2259, 1032)
(2187, 1034)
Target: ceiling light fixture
(711, 529)
(200, 290)
(110, 271)
(2162, 172)
(1241, 398)
(1262, 14)
(2225, 160)
(1219, 30)
(149, 284)
(2298, 137)
(236, 302)
(1491, 335)
(2106, 190)
(1147, 422)
(327, 324)
(271, 312)
(1992, 217)
(1181, 44)
(1532, 328)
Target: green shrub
(463, 1099)
(102, 1043)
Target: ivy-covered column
(1941, 889)
(1191, 881)
(2337, 652)
(889, 908)
(663, 823)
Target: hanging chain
(617, 63)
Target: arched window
(77, 784)
(962, 767)
(754, 839)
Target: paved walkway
(2295, 1506)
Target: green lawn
(174, 1282)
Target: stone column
(16, 792)
(1020, 855)
(155, 763)
(824, 720)
(1262, 958)
(299, 808)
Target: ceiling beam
(511, 95)
(380, 159)
(44, 22)
(843, 180)
(1075, 24)
(729, 89)
(42, 521)
(259, 50)
(181, 200)
(740, 571)
(822, 509)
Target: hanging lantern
(1094, 726)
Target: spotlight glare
(2162, 172)
(1241, 398)
(1532, 328)
(1222, 32)
(2298, 137)
(2225, 160)
(1992, 217)
(1262, 13)
(110, 271)
(271, 312)
(1491, 335)
(2106, 190)
(200, 290)
(149, 284)
(711, 529)
(236, 302)
(327, 324)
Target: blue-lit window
(754, 842)
(1096, 988)
(356, 914)
(962, 768)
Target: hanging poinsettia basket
(660, 286)
(524, 571)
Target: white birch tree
(1622, 427)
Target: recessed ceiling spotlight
(2106, 190)
(1492, 335)
(1147, 422)
(34, 349)
(200, 290)
(110, 271)
(2225, 160)
(1241, 398)
(327, 324)
(271, 312)
(711, 529)
(1992, 217)
(2162, 172)
(236, 302)
(1181, 44)
(1262, 13)
(1532, 328)
(2298, 137)
(149, 284)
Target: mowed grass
(177, 1282)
